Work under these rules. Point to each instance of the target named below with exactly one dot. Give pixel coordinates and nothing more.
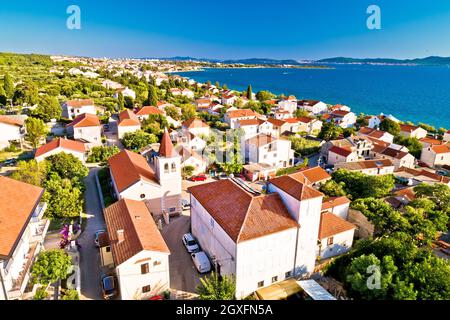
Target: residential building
(438, 155)
(338, 155)
(87, 129)
(137, 249)
(410, 131)
(232, 117)
(370, 167)
(376, 134)
(250, 127)
(447, 136)
(269, 150)
(12, 129)
(126, 92)
(196, 127)
(338, 206)
(22, 233)
(73, 108)
(187, 93)
(430, 142)
(157, 182)
(313, 106)
(145, 112)
(190, 157)
(311, 126)
(414, 177)
(398, 158)
(342, 118)
(350, 149)
(228, 99)
(58, 145)
(288, 104)
(128, 122)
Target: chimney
(120, 235)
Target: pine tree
(8, 85)
(216, 288)
(249, 92)
(121, 101)
(152, 96)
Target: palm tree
(216, 288)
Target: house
(190, 141)
(312, 176)
(250, 127)
(12, 129)
(446, 137)
(157, 183)
(203, 103)
(338, 206)
(414, 177)
(87, 129)
(313, 106)
(73, 108)
(373, 121)
(269, 150)
(197, 127)
(58, 145)
(22, 233)
(282, 114)
(410, 131)
(232, 117)
(137, 249)
(274, 127)
(128, 122)
(398, 158)
(190, 157)
(438, 155)
(430, 142)
(126, 92)
(228, 99)
(187, 93)
(145, 112)
(109, 84)
(175, 91)
(311, 126)
(288, 104)
(335, 236)
(370, 167)
(338, 155)
(358, 145)
(342, 118)
(376, 134)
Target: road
(90, 259)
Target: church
(156, 180)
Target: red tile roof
(18, 202)
(195, 123)
(276, 122)
(294, 186)
(408, 128)
(333, 202)
(140, 230)
(331, 225)
(445, 148)
(148, 110)
(80, 103)
(340, 151)
(241, 215)
(166, 146)
(11, 120)
(310, 175)
(241, 113)
(128, 168)
(128, 119)
(85, 120)
(250, 122)
(61, 143)
(261, 140)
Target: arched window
(174, 167)
(166, 168)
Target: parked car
(223, 176)
(190, 243)
(200, 177)
(108, 283)
(9, 162)
(156, 298)
(201, 262)
(185, 204)
(96, 236)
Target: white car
(201, 262)
(190, 243)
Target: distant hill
(433, 60)
(260, 61)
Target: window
(288, 274)
(108, 249)
(142, 196)
(156, 263)
(260, 284)
(174, 167)
(173, 209)
(166, 168)
(146, 289)
(330, 241)
(145, 268)
(274, 279)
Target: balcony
(19, 284)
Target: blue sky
(228, 29)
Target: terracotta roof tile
(85, 120)
(333, 202)
(441, 149)
(18, 201)
(331, 225)
(166, 148)
(148, 110)
(61, 143)
(80, 103)
(241, 113)
(241, 215)
(195, 123)
(292, 185)
(128, 168)
(11, 120)
(340, 151)
(128, 119)
(140, 230)
(261, 140)
(311, 175)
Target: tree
(120, 101)
(48, 108)
(304, 147)
(8, 85)
(413, 144)
(41, 294)
(188, 111)
(129, 102)
(63, 198)
(216, 288)
(172, 112)
(36, 130)
(329, 132)
(298, 113)
(370, 278)
(3, 98)
(50, 266)
(188, 171)
(102, 154)
(152, 96)
(224, 86)
(333, 189)
(138, 140)
(26, 93)
(390, 126)
(31, 172)
(217, 84)
(264, 95)
(71, 295)
(249, 92)
(67, 166)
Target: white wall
(90, 134)
(342, 243)
(121, 130)
(131, 280)
(78, 155)
(10, 132)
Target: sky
(228, 29)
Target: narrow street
(90, 259)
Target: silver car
(190, 243)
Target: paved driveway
(90, 259)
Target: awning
(315, 290)
(279, 291)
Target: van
(201, 261)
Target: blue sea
(410, 93)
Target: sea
(410, 93)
